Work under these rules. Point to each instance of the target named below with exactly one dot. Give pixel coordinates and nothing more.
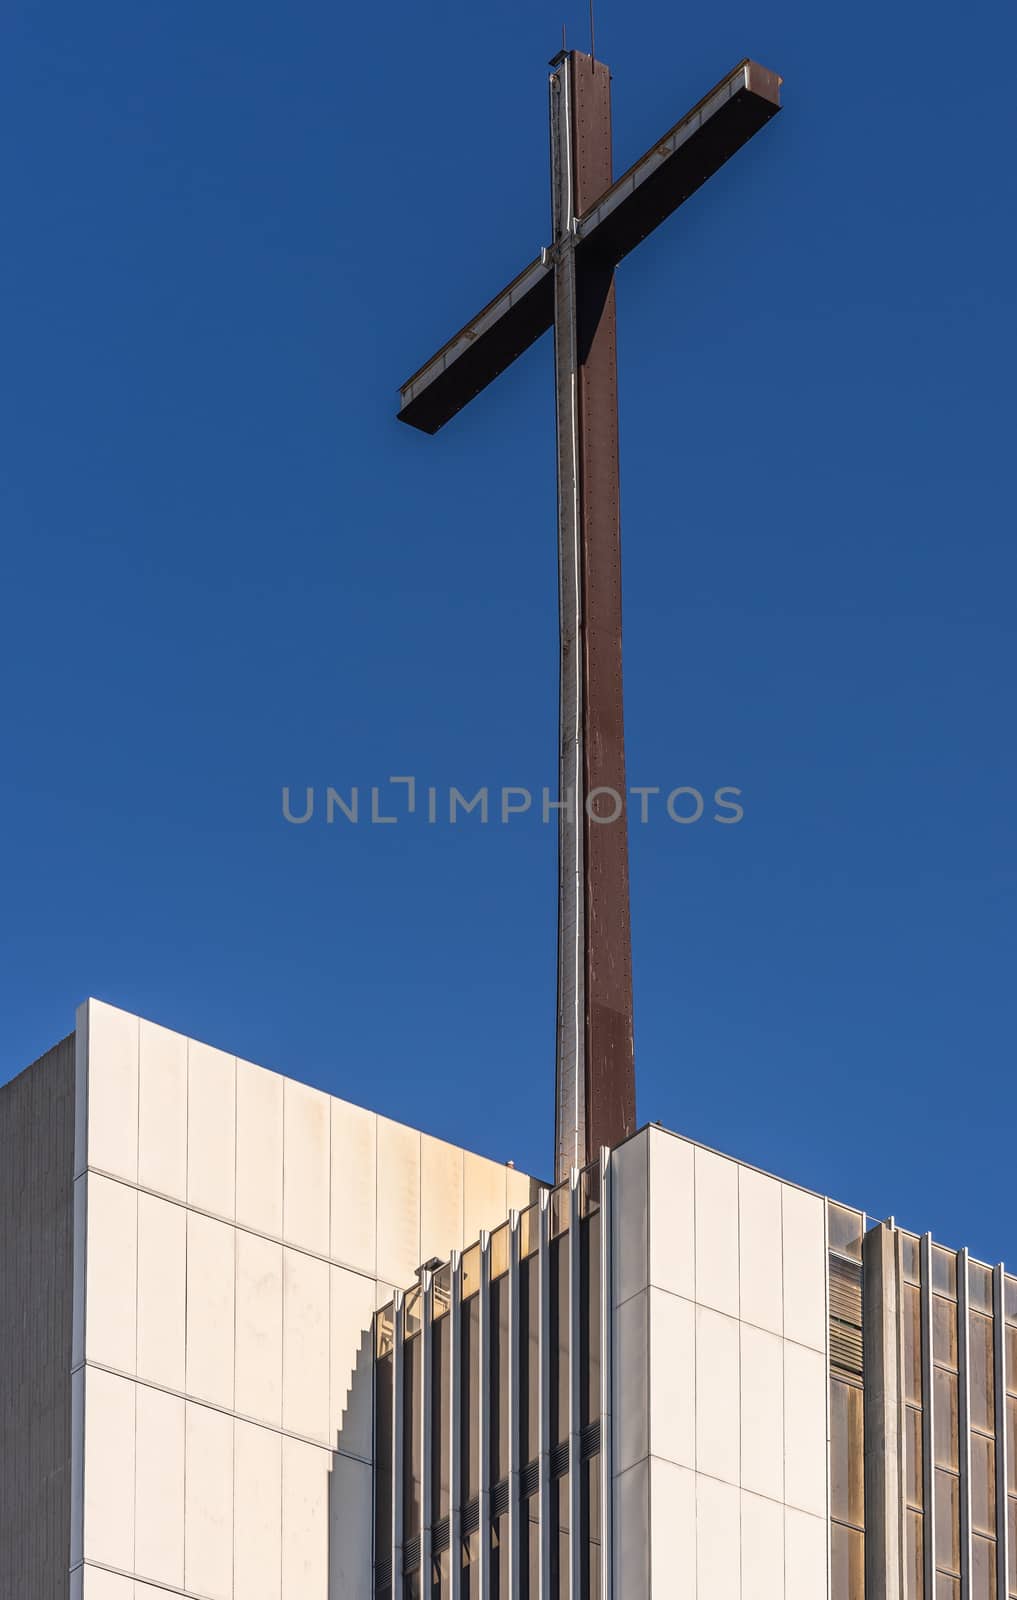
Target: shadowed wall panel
(36, 1231)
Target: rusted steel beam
(609, 226)
(596, 1077)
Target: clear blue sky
(230, 232)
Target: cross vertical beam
(570, 286)
(595, 1099)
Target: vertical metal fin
(928, 1422)
(882, 1270)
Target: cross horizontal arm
(677, 165)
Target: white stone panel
(81, 1089)
(211, 1129)
(762, 1549)
(485, 1196)
(259, 1149)
(759, 1250)
(805, 1462)
(304, 1521)
(162, 1110)
(804, 1268)
(306, 1295)
(805, 1558)
(350, 1509)
(716, 1232)
(672, 1214)
(632, 1531)
(351, 1428)
(112, 1092)
(210, 1309)
(99, 1585)
(78, 1270)
(354, 1187)
(159, 1487)
(208, 1529)
(77, 1466)
(630, 1198)
(717, 1383)
(717, 1542)
(109, 1469)
(111, 1274)
(441, 1199)
(673, 1520)
(307, 1161)
(672, 1378)
(257, 1541)
(630, 1381)
(398, 1202)
(162, 1291)
(259, 1325)
(521, 1190)
(762, 1400)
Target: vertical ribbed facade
(491, 1407)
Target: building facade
(675, 1376)
(258, 1344)
(193, 1250)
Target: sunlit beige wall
(720, 1378)
(234, 1232)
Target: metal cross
(570, 287)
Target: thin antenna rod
(593, 38)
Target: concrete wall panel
(805, 1557)
(398, 1202)
(159, 1487)
(717, 1389)
(672, 1214)
(257, 1541)
(307, 1167)
(354, 1222)
(99, 1585)
(259, 1149)
(631, 1380)
(112, 1092)
(716, 1232)
(762, 1541)
(306, 1300)
(760, 1254)
(305, 1478)
(804, 1268)
(485, 1195)
(630, 1189)
(673, 1368)
(210, 1309)
(259, 1328)
(632, 1531)
(762, 1408)
(718, 1557)
(111, 1274)
(673, 1519)
(352, 1399)
(441, 1199)
(162, 1111)
(350, 1497)
(208, 1527)
(211, 1129)
(162, 1291)
(109, 1469)
(805, 1457)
